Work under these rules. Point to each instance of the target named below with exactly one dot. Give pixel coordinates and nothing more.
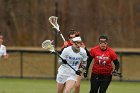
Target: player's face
(1, 39)
(103, 44)
(77, 44)
(71, 37)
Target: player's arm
(82, 66)
(83, 63)
(115, 61)
(5, 55)
(91, 55)
(62, 60)
(65, 45)
(83, 46)
(89, 60)
(88, 54)
(117, 65)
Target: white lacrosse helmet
(77, 39)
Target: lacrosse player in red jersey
(71, 35)
(2, 48)
(75, 56)
(102, 69)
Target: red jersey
(69, 44)
(102, 60)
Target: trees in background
(25, 22)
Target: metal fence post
(21, 64)
(56, 14)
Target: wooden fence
(38, 63)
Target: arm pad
(89, 60)
(117, 64)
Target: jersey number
(102, 62)
(75, 63)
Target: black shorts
(99, 83)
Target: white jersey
(2, 50)
(74, 59)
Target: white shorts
(63, 78)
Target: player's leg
(69, 85)
(60, 87)
(94, 83)
(77, 84)
(61, 79)
(105, 81)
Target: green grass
(49, 86)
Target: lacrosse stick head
(47, 44)
(53, 21)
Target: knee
(77, 86)
(67, 91)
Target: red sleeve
(63, 46)
(92, 53)
(113, 55)
(69, 44)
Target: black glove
(115, 73)
(85, 73)
(78, 72)
(64, 61)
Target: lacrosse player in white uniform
(71, 35)
(2, 48)
(76, 57)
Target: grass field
(49, 86)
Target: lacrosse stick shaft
(47, 44)
(62, 59)
(62, 37)
(53, 21)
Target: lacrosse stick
(47, 44)
(53, 21)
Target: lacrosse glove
(78, 72)
(115, 72)
(64, 61)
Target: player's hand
(5, 56)
(64, 61)
(85, 73)
(65, 43)
(115, 73)
(78, 72)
